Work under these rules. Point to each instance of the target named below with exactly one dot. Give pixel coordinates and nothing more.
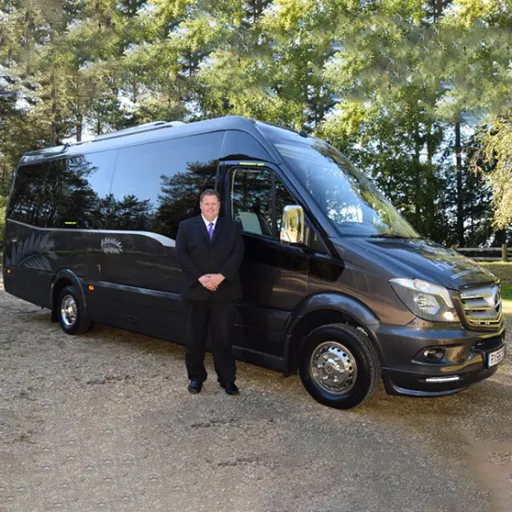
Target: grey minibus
(337, 285)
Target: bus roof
(153, 132)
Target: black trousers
(219, 317)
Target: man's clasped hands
(211, 281)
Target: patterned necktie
(210, 230)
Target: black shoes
(195, 387)
(231, 388)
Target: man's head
(209, 203)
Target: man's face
(210, 207)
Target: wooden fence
(504, 253)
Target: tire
(338, 366)
(71, 311)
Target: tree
(399, 85)
(3, 206)
(384, 74)
(497, 153)
(483, 85)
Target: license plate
(496, 357)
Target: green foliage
(384, 81)
(497, 153)
(3, 206)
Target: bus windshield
(348, 199)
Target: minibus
(337, 285)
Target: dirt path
(104, 422)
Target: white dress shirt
(208, 222)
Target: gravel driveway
(104, 422)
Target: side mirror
(292, 225)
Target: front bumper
(466, 360)
(415, 384)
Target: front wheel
(339, 366)
(71, 311)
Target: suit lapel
(218, 228)
(202, 227)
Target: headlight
(426, 300)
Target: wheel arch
(63, 278)
(323, 309)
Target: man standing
(210, 251)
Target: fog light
(451, 378)
(434, 354)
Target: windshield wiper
(392, 235)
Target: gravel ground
(104, 422)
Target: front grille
(488, 344)
(482, 306)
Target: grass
(506, 292)
(500, 269)
(504, 272)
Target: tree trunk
(437, 9)
(460, 192)
(79, 127)
(429, 187)
(79, 116)
(417, 180)
(500, 237)
(53, 138)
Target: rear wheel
(71, 311)
(339, 366)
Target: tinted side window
(80, 186)
(240, 145)
(157, 185)
(283, 198)
(65, 193)
(28, 202)
(251, 200)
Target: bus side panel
(30, 285)
(150, 312)
(27, 267)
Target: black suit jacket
(197, 255)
